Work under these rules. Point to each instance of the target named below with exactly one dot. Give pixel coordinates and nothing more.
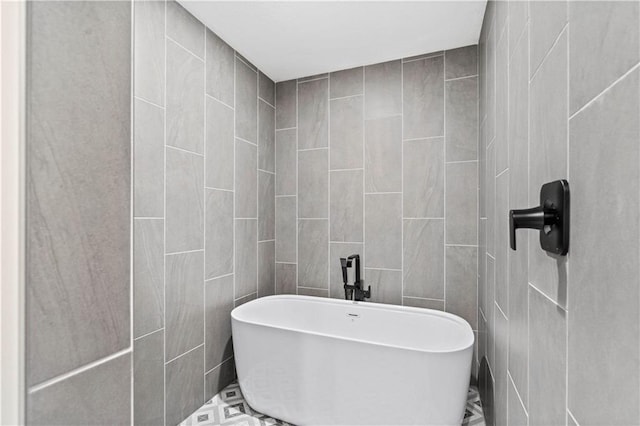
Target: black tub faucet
(355, 291)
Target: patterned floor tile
(229, 408)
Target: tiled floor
(229, 408)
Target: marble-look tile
(286, 162)
(386, 286)
(461, 62)
(501, 140)
(78, 197)
(184, 203)
(490, 309)
(423, 98)
(266, 206)
(383, 155)
(148, 276)
(383, 86)
(218, 378)
(547, 361)
(490, 182)
(338, 250)
(500, 368)
(346, 82)
(185, 99)
(604, 45)
(148, 379)
(423, 180)
(286, 233)
(313, 114)
(490, 84)
(266, 268)
(184, 304)
(148, 50)
(315, 292)
(461, 288)
(546, 21)
(462, 203)
(266, 89)
(246, 261)
(346, 207)
(346, 133)
(502, 241)
(313, 253)
(423, 266)
(219, 69)
(246, 106)
(416, 302)
(515, 411)
(518, 20)
(184, 386)
(462, 119)
(313, 183)
(184, 28)
(266, 137)
(218, 233)
(98, 396)
(246, 180)
(218, 303)
(604, 291)
(286, 278)
(548, 159)
(286, 104)
(219, 146)
(244, 299)
(148, 185)
(383, 228)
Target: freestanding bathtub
(316, 361)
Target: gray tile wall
(204, 207)
(382, 161)
(78, 214)
(559, 88)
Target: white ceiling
(292, 39)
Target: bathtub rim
(384, 306)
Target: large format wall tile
(515, 410)
(461, 62)
(500, 366)
(462, 119)
(266, 137)
(266, 268)
(246, 102)
(286, 104)
(383, 155)
(502, 241)
(423, 258)
(185, 100)
(98, 396)
(461, 205)
(286, 278)
(184, 28)
(604, 303)
(78, 197)
(286, 162)
(218, 301)
(266, 206)
(313, 253)
(383, 228)
(219, 69)
(184, 204)
(423, 98)
(386, 286)
(219, 146)
(346, 83)
(286, 234)
(246, 268)
(266, 89)
(313, 114)
(501, 140)
(547, 20)
(383, 86)
(148, 169)
(346, 209)
(149, 50)
(184, 304)
(347, 133)
(313, 183)
(423, 180)
(218, 242)
(148, 379)
(185, 385)
(246, 179)
(461, 287)
(148, 276)
(218, 378)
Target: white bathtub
(315, 361)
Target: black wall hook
(551, 217)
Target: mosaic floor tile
(229, 408)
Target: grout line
(218, 101)
(148, 334)
(326, 77)
(461, 162)
(461, 78)
(501, 311)
(422, 298)
(184, 353)
(218, 189)
(546, 55)
(139, 98)
(345, 97)
(209, 371)
(426, 138)
(382, 269)
(266, 171)
(313, 149)
(421, 57)
(180, 45)
(204, 228)
(218, 277)
(547, 297)
(286, 128)
(183, 252)
(347, 170)
(284, 196)
(79, 370)
(570, 414)
(517, 394)
(147, 218)
(244, 140)
(460, 245)
(346, 242)
(444, 192)
(184, 150)
(132, 221)
(245, 61)
(286, 263)
(164, 231)
(265, 101)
